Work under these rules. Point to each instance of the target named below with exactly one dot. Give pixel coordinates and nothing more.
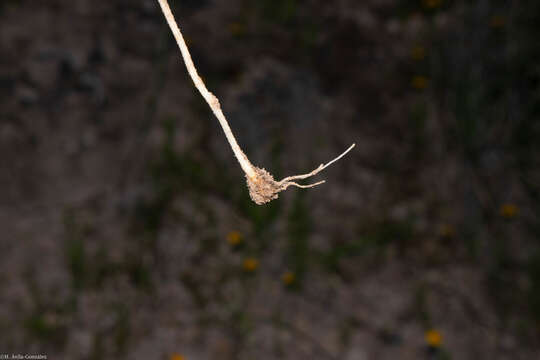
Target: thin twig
(317, 170)
(261, 184)
(289, 183)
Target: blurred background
(127, 231)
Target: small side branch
(292, 183)
(317, 170)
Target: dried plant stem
(210, 98)
(262, 186)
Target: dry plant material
(261, 184)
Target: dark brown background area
(120, 199)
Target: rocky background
(127, 231)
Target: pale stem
(210, 98)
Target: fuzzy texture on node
(262, 188)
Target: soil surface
(127, 229)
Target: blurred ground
(127, 229)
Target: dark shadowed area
(126, 227)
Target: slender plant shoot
(261, 184)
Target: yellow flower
(433, 338)
(176, 356)
(419, 82)
(288, 278)
(418, 53)
(250, 264)
(497, 21)
(237, 29)
(447, 231)
(509, 211)
(234, 238)
(432, 4)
